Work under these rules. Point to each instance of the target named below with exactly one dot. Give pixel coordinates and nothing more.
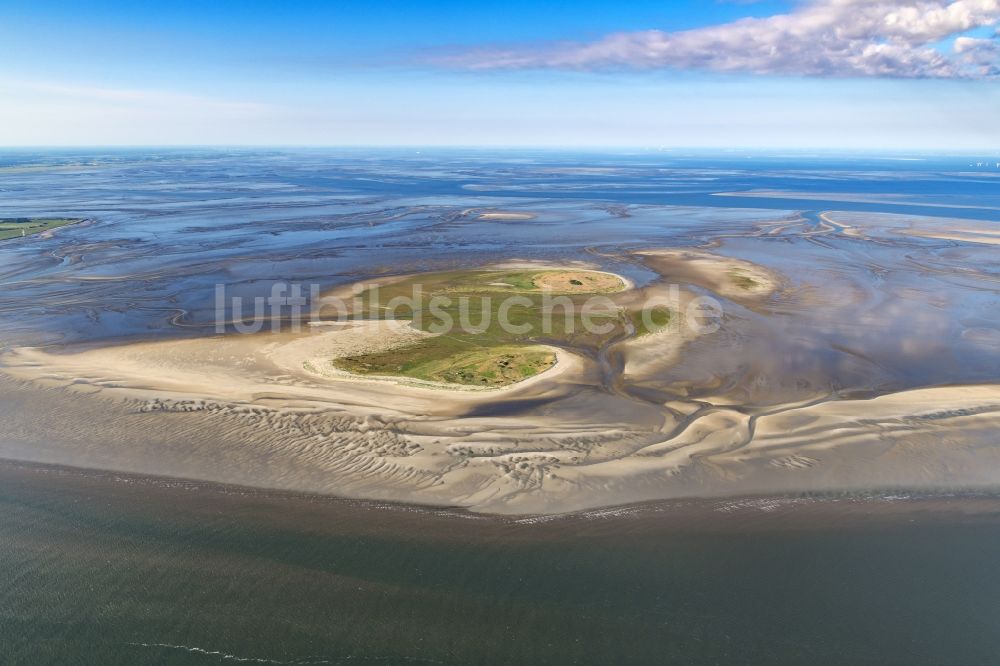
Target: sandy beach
(270, 411)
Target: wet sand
(628, 424)
(737, 280)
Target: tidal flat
(225, 495)
(853, 350)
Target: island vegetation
(480, 336)
(18, 227)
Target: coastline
(48, 232)
(592, 431)
(862, 507)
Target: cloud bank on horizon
(821, 38)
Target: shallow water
(171, 225)
(125, 570)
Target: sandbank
(268, 410)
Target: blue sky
(876, 74)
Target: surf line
(304, 661)
(231, 657)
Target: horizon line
(957, 151)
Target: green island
(17, 227)
(470, 346)
(743, 281)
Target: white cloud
(836, 38)
(980, 55)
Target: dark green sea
(112, 569)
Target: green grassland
(743, 281)
(656, 319)
(440, 360)
(477, 348)
(501, 282)
(27, 226)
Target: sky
(906, 75)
